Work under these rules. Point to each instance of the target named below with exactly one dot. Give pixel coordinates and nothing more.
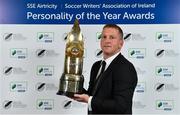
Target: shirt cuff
(89, 103)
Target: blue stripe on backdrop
(101, 12)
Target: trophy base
(68, 94)
(70, 85)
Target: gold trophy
(71, 81)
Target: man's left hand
(81, 97)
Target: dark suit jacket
(115, 89)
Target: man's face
(111, 41)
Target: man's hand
(81, 97)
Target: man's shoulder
(95, 65)
(97, 62)
(123, 60)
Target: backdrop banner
(33, 38)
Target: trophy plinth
(71, 84)
(71, 81)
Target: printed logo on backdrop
(18, 86)
(46, 37)
(64, 36)
(165, 53)
(46, 53)
(14, 70)
(141, 87)
(13, 36)
(127, 37)
(98, 36)
(84, 72)
(9, 104)
(45, 104)
(140, 71)
(45, 70)
(85, 53)
(18, 53)
(40, 86)
(159, 87)
(165, 105)
(68, 104)
(138, 105)
(164, 71)
(98, 53)
(133, 37)
(166, 37)
(138, 53)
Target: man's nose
(107, 40)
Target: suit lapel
(105, 74)
(100, 81)
(94, 73)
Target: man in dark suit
(113, 79)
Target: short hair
(115, 27)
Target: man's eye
(111, 37)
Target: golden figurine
(72, 80)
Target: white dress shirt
(108, 62)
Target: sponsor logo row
(48, 104)
(136, 53)
(48, 70)
(22, 86)
(160, 105)
(48, 37)
(158, 87)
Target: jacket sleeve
(124, 80)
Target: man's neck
(106, 56)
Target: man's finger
(77, 95)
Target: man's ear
(121, 43)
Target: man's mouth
(107, 46)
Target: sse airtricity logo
(46, 37)
(138, 53)
(18, 86)
(19, 53)
(45, 70)
(98, 36)
(141, 87)
(164, 71)
(45, 104)
(165, 105)
(166, 37)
